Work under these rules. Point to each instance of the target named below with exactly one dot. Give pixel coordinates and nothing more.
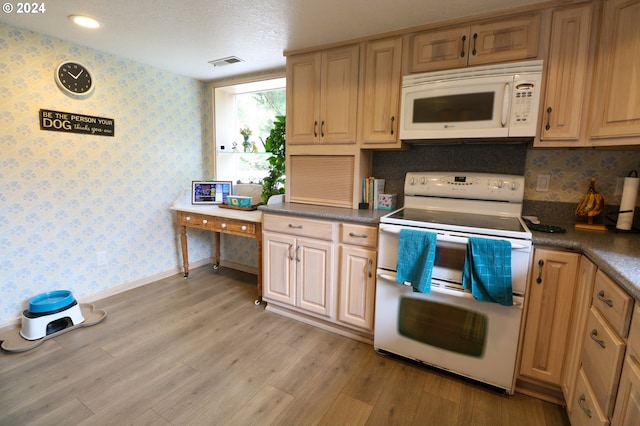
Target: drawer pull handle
(204, 221)
(244, 228)
(594, 337)
(351, 234)
(581, 401)
(298, 253)
(601, 298)
(539, 279)
(370, 268)
(295, 226)
(289, 252)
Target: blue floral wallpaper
(65, 197)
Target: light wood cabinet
(503, 40)
(602, 354)
(567, 72)
(615, 100)
(627, 408)
(581, 304)
(299, 271)
(379, 103)
(549, 311)
(357, 280)
(322, 96)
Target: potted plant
(246, 145)
(273, 184)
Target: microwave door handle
(506, 97)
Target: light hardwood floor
(199, 352)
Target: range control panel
(475, 186)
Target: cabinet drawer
(294, 225)
(613, 302)
(602, 353)
(586, 410)
(216, 224)
(634, 334)
(360, 235)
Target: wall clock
(74, 79)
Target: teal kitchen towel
(416, 254)
(487, 270)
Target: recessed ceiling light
(85, 21)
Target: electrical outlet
(101, 258)
(542, 185)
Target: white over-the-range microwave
(494, 101)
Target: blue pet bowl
(51, 301)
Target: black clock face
(74, 78)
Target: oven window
(443, 326)
(453, 108)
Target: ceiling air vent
(225, 61)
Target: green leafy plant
(273, 184)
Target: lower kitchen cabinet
(627, 408)
(299, 270)
(581, 304)
(357, 276)
(305, 278)
(550, 301)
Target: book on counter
(371, 188)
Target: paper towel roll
(628, 202)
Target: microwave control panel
(523, 104)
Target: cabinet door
(278, 275)
(549, 310)
(627, 410)
(616, 104)
(303, 98)
(567, 69)
(439, 49)
(581, 305)
(339, 95)
(508, 39)
(380, 100)
(314, 266)
(357, 286)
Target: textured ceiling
(182, 36)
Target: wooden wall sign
(59, 121)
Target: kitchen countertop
(616, 253)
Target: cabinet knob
(188, 218)
(204, 221)
(224, 225)
(244, 228)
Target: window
(239, 107)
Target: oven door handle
(518, 301)
(452, 238)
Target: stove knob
(514, 186)
(423, 180)
(413, 181)
(499, 183)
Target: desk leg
(185, 252)
(259, 244)
(217, 264)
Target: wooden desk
(220, 220)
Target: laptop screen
(210, 192)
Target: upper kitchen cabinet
(567, 75)
(615, 102)
(322, 96)
(510, 39)
(379, 103)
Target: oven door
(451, 251)
(448, 329)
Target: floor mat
(12, 341)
